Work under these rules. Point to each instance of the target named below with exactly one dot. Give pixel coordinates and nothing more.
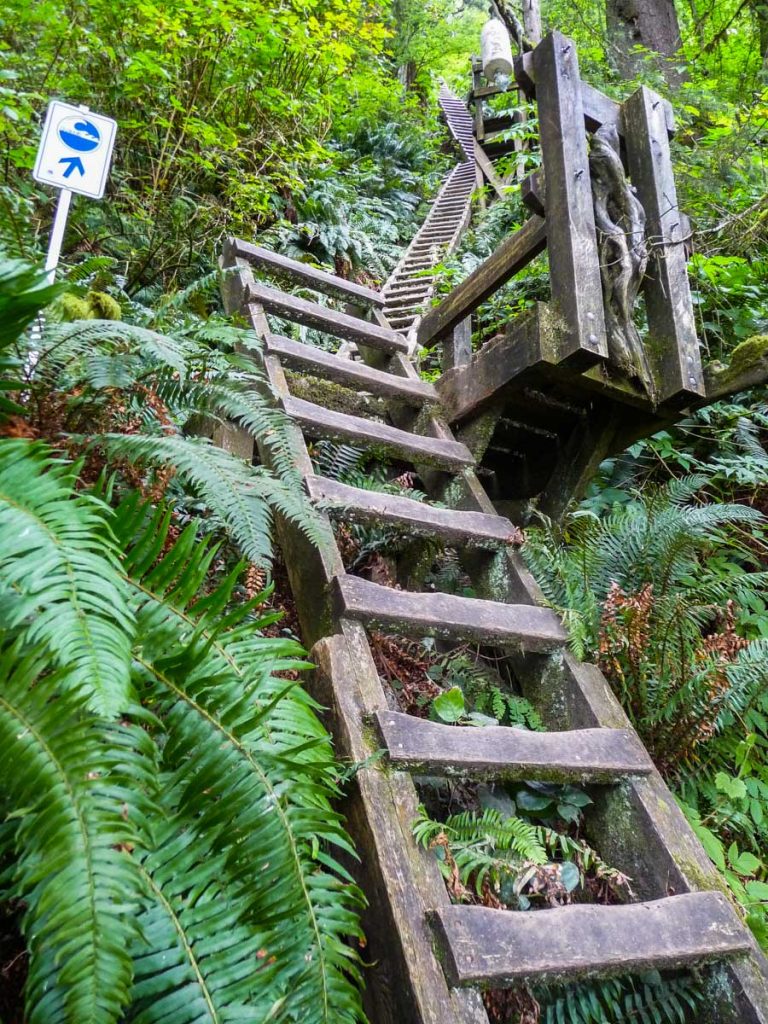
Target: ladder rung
(349, 371)
(502, 753)
(468, 529)
(317, 421)
(312, 314)
(498, 948)
(526, 626)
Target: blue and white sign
(75, 150)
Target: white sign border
(53, 106)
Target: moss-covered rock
(95, 306)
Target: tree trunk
(532, 21)
(651, 24)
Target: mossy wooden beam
(499, 753)
(672, 346)
(498, 949)
(747, 368)
(574, 264)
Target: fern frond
(197, 961)
(58, 558)
(251, 770)
(242, 497)
(24, 291)
(64, 343)
(77, 782)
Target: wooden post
(573, 258)
(673, 348)
(457, 349)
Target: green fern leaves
(251, 770)
(76, 782)
(184, 868)
(59, 571)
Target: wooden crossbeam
(514, 253)
(302, 273)
(501, 753)
(496, 948)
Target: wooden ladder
(431, 959)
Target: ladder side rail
(402, 881)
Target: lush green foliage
(168, 784)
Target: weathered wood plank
(433, 614)
(487, 168)
(500, 753)
(303, 273)
(672, 345)
(574, 263)
(533, 193)
(312, 314)
(350, 372)
(468, 529)
(599, 109)
(318, 421)
(524, 346)
(457, 349)
(496, 948)
(514, 253)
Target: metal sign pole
(57, 233)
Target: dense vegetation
(144, 663)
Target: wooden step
(349, 371)
(505, 754)
(307, 275)
(312, 314)
(318, 421)
(499, 948)
(524, 626)
(464, 529)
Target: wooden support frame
(638, 827)
(514, 253)
(672, 346)
(577, 291)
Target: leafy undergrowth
(170, 846)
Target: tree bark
(651, 24)
(532, 21)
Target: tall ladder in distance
(411, 284)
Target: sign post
(74, 156)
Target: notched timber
(322, 318)
(317, 421)
(349, 372)
(498, 948)
(416, 518)
(527, 627)
(499, 753)
(302, 273)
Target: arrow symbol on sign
(75, 164)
